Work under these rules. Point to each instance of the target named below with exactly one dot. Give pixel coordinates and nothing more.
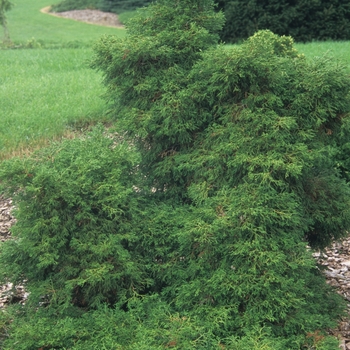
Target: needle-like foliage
(196, 233)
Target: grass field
(43, 92)
(340, 50)
(25, 21)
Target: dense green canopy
(304, 20)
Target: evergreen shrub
(116, 6)
(304, 20)
(69, 5)
(194, 232)
(73, 232)
(120, 6)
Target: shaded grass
(25, 21)
(43, 94)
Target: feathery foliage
(193, 234)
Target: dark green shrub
(203, 245)
(74, 214)
(150, 68)
(69, 5)
(302, 19)
(5, 5)
(119, 6)
(249, 137)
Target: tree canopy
(5, 5)
(304, 20)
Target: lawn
(340, 50)
(43, 93)
(25, 22)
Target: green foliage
(117, 6)
(193, 233)
(76, 232)
(120, 6)
(152, 64)
(250, 137)
(148, 324)
(5, 6)
(68, 5)
(302, 19)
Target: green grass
(42, 92)
(25, 21)
(340, 50)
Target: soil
(96, 17)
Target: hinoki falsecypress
(195, 233)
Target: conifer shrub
(193, 233)
(69, 5)
(73, 235)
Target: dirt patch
(96, 17)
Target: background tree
(302, 19)
(119, 6)
(5, 5)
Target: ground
(88, 16)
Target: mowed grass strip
(25, 22)
(42, 93)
